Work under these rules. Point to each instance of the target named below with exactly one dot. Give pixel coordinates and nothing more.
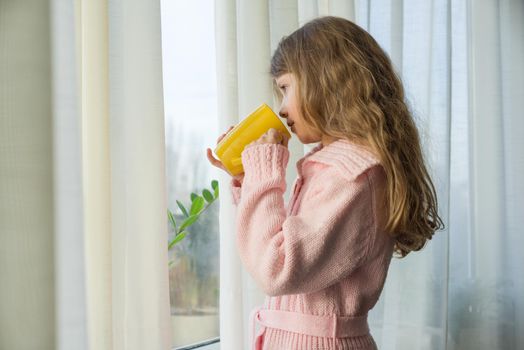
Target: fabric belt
(331, 326)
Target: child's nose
(282, 113)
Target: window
(188, 46)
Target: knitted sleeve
(325, 241)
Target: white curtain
(82, 182)
(461, 65)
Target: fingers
(209, 153)
(271, 136)
(224, 134)
(213, 160)
(275, 136)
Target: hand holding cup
(216, 162)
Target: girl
(362, 194)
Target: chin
(302, 139)
(308, 138)
(308, 141)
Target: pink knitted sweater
(326, 252)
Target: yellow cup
(250, 129)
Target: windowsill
(211, 344)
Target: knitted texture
(325, 252)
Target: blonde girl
(361, 195)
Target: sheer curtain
(83, 189)
(461, 65)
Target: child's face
(290, 110)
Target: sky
(189, 66)
(190, 101)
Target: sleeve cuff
(265, 161)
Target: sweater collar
(348, 158)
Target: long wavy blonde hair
(347, 88)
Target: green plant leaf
(177, 239)
(172, 219)
(207, 196)
(189, 221)
(181, 206)
(197, 205)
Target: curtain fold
(411, 312)
(125, 185)
(485, 283)
(231, 312)
(460, 63)
(140, 293)
(94, 89)
(84, 247)
(245, 39)
(27, 272)
(69, 260)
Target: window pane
(191, 126)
